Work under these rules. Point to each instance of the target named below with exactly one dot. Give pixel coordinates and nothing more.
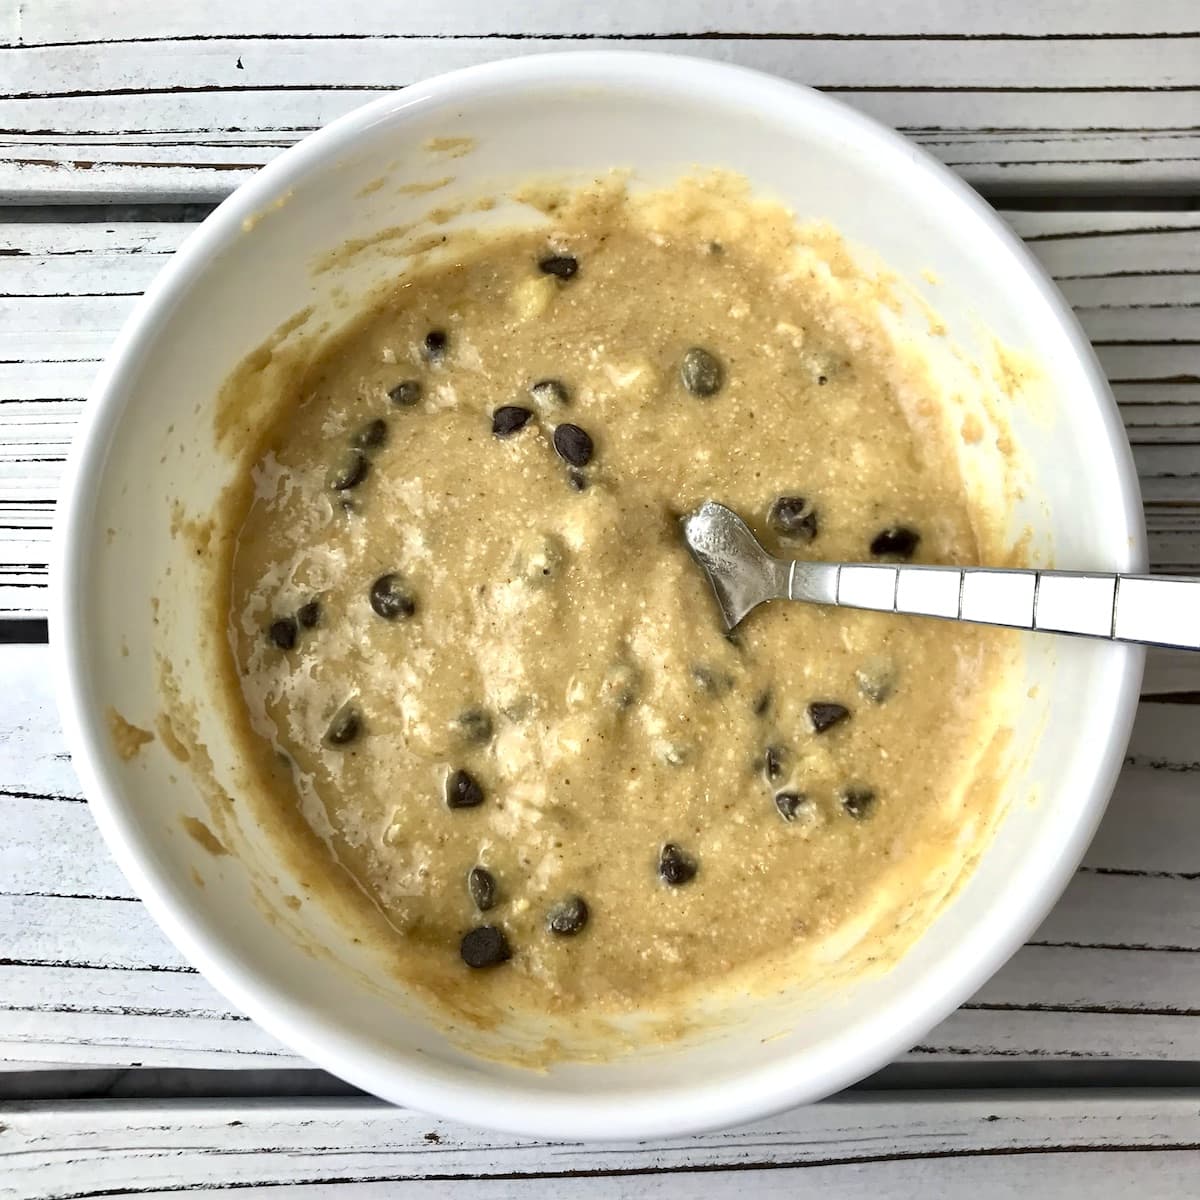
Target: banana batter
(480, 665)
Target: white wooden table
(1075, 1072)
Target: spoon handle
(1156, 610)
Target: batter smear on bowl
(476, 659)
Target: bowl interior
(149, 444)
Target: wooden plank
(87, 978)
(149, 67)
(1169, 673)
(1130, 1172)
(65, 289)
(860, 1145)
(206, 153)
(100, 22)
(108, 102)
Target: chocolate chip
(573, 445)
(509, 418)
(434, 347)
(309, 615)
(774, 761)
(675, 867)
(896, 542)
(474, 725)
(370, 436)
(701, 372)
(345, 726)
(562, 266)
(762, 703)
(406, 393)
(567, 917)
(790, 805)
(485, 946)
(550, 392)
(391, 599)
(283, 633)
(824, 714)
(481, 883)
(348, 471)
(858, 802)
(577, 481)
(793, 518)
(462, 790)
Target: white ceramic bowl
(147, 440)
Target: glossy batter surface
(463, 613)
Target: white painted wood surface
(86, 977)
(103, 100)
(1072, 1145)
(65, 288)
(1061, 103)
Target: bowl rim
(676, 1108)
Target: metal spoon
(1158, 610)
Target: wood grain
(65, 289)
(1071, 1144)
(87, 978)
(96, 23)
(110, 102)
